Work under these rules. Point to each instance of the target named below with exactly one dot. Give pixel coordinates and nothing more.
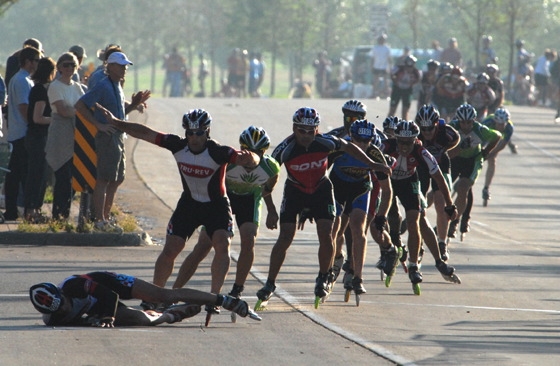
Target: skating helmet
(465, 112)
(432, 64)
(254, 139)
(306, 117)
(519, 43)
(354, 107)
(501, 115)
(407, 129)
(482, 78)
(427, 116)
(46, 297)
(196, 119)
(362, 129)
(457, 71)
(390, 123)
(445, 68)
(409, 60)
(492, 69)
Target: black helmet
(196, 119)
(407, 129)
(427, 116)
(466, 112)
(254, 139)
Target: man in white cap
(109, 141)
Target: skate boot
(403, 256)
(264, 295)
(420, 254)
(443, 251)
(358, 288)
(381, 263)
(156, 306)
(182, 311)
(415, 277)
(321, 288)
(390, 265)
(210, 310)
(347, 280)
(337, 266)
(485, 196)
(447, 272)
(238, 306)
(235, 292)
(512, 147)
(453, 228)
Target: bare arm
(64, 109)
(359, 154)
(386, 197)
(86, 114)
(137, 130)
(38, 111)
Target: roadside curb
(77, 239)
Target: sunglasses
(198, 132)
(351, 119)
(305, 131)
(467, 121)
(69, 64)
(427, 129)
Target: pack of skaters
(305, 155)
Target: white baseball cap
(118, 58)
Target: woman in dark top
(38, 120)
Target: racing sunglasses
(198, 132)
(305, 131)
(351, 118)
(427, 129)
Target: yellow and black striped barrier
(85, 158)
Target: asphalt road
(505, 312)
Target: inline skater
(246, 189)
(353, 187)
(476, 142)
(428, 83)
(409, 153)
(305, 155)
(95, 299)
(499, 121)
(480, 95)
(202, 164)
(450, 90)
(404, 77)
(497, 85)
(437, 137)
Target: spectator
(202, 74)
(452, 54)
(18, 102)
(256, 74)
(12, 63)
(233, 61)
(109, 141)
(38, 121)
(3, 100)
(64, 92)
(80, 54)
(175, 68)
(487, 55)
(436, 50)
(404, 78)
(322, 67)
(542, 75)
(100, 72)
(381, 55)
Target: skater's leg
(248, 235)
(278, 253)
(191, 262)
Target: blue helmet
(390, 122)
(362, 129)
(46, 297)
(427, 116)
(354, 107)
(501, 115)
(465, 112)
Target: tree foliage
(287, 31)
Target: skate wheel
(463, 236)
(233, 317)
(456, 279)
(260, 305)
(416, 289)
(357, 300)
(317, 301)
(208, 317)
(388, 281)
(347, 295)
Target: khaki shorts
(110, 156)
